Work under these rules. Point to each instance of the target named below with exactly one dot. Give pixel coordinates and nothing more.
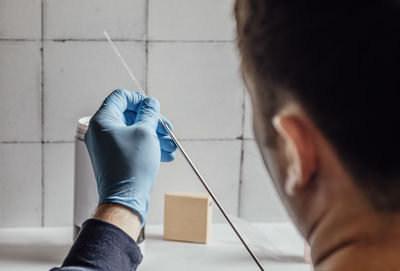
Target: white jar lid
(83, 124)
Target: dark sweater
(102, 246)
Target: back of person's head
(340, 60)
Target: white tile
(78, 76)
(20, 19)
(86, 19)
(20, 95)
(58, 184)
(20, 185)
(191, 20)
(199, 88)
(219, 163)
(259, 202)
(248, 118)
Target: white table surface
(278, 246)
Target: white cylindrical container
(86, 197)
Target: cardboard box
(187, 217)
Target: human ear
(299, 149)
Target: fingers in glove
(167, 156)
(112, 110)
(148, 112)
(161, 128)
(166, 143)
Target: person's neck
(350, 236)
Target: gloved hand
(126, 143)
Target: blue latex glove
(126, 143)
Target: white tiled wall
(56, 67)
(86, 19)
(20, 185)
(248, 119)
(58, 184)
(78, 76)
(199, 88)
(174, 20)
(20, 96)
(217, 160)
(20, 19)
(259, 200)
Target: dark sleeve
(102, 246)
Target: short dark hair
(341, 61)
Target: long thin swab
(196, 171)
(124, 62)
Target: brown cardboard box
(187, 217)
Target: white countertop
(279, 248)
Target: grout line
(67, 39)
(57, 142)
(72, 40)
(194, 41)
(241, 155)
(72, 141)
(21, 39)
(20, 142)
(146, 70)
(209, 139)
(120, 40)
(42, 111)
(78, 40)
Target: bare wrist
(120, 216)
